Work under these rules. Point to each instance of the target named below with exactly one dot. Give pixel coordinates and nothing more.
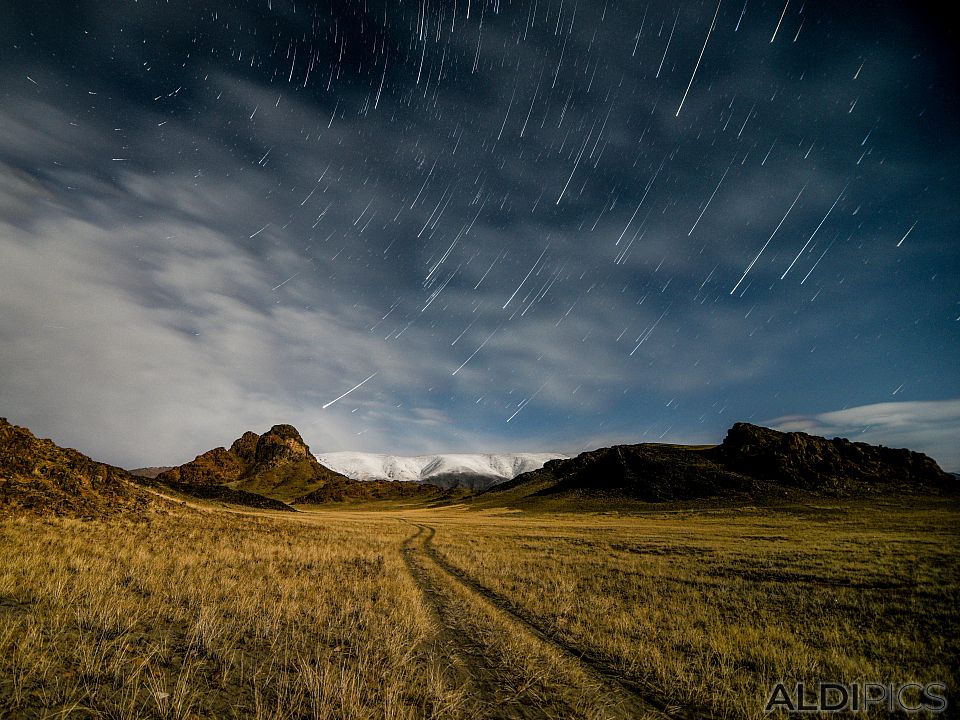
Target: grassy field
(704, 610)
(452, 613)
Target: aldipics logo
(907, 697)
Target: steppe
(396, 609)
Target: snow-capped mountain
(472, 469)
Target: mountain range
(276, 470)
(475, 471)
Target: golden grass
(212, 615)
(707, 609)
(347, 614)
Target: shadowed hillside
(38, 476)
(224, 493)
(369, 490)
(753, 462)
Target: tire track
(444, 645)
(466, 662)
(632, 694)
(492, 679)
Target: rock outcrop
(277, 464)
(815, 463)
(39, 477)
(753, 462)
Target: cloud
(932, 427)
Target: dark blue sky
(527, 225)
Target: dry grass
(210, 614)
(510, 671)
(706, 610)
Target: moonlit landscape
(423, 226)
(479, 360)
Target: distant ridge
(752, 462)
(475, 471)
(149, 472)
(37, 476)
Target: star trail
(530, 224)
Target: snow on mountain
(370, 466)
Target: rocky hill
(38, 476)
(752, 462)
(833, 466)
(276, 465)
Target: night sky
(477, 225)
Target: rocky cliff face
(245, 447)
(646, 472)
(281, 445)
(815, 463)
(38, 476)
